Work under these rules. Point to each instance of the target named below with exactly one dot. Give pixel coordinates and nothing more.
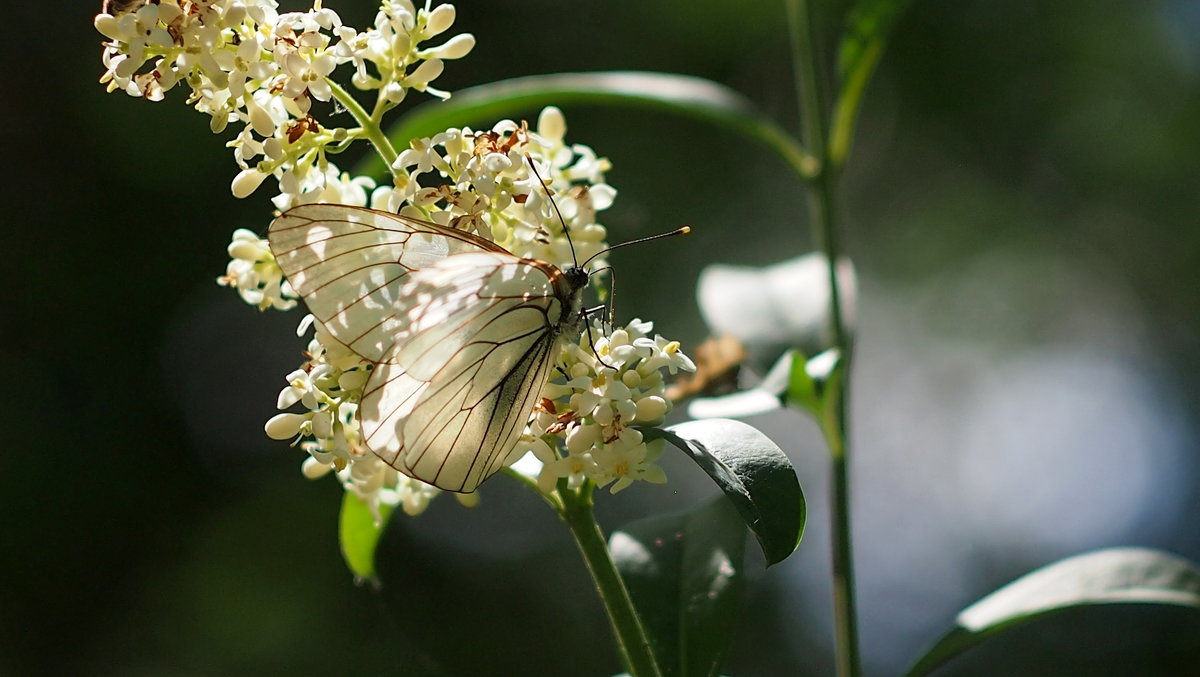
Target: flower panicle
(245, 63)
(529, 191)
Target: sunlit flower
(610, 389)
(245, 63)
(252, 270)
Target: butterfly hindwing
(461, 333)
(447, 404)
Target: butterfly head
(576, 276)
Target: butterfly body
(461, 333)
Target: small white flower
(307, 77)
(252, 270)
(300, 388)
(286, 426)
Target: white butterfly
(462, 333)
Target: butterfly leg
(591, 341)
(611, 302)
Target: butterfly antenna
(611, 303)
(682, 230)
(561, 220)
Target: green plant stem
(845, 111)
(531, 484)
(806, 55)
(370, 126)
(632, 639)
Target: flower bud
(651, 410)
(631, 379)
(322, 424)
(107, 25)
(425, 73)
(551, 124)
(472, 499)
(245, 250)
(246, 182)
(285, 426)
(603, 415)
(260, 120)
(441, 18)
(312, 468)
(581, 438)
(455, 48)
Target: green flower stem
(370, 126)
(806, 55)
(531, 484)
(632, 639)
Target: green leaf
(823, 374)
(359, 534)
(685, 95)
(684, 573)
(868, 27)
(1112, 576)
(809, 385)
(802, 390)
(753, 472)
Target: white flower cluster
(245, 62)
(482, 183)
(329, 386)
(613, 385)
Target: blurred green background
(1022, 205)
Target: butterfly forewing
(462, 333)
(348, 263)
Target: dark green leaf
(684, 95)
(684, 572)
(1113, 576)
(753, 472)
(359, 534)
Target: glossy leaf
(1113, 576)
(359, 534)
(684, 95)
(684, 572)
(755, 475)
